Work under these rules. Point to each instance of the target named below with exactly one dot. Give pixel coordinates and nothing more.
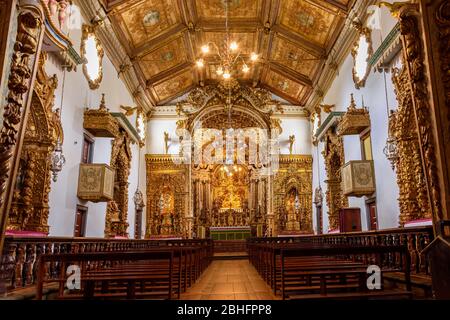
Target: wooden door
(138, 225)
(319, 219)
(350, 220)
(373, 223)
(80, 222)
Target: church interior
(224, 149)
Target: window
(361, 52)
(367, 148)
(92, 54)
(366, 145)
(88, 148)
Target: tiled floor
(229, 280)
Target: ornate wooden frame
(88, 31)
(363, 32)
(295, 172)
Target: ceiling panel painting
(147, 19)
(285, 85)
(309, 19)
(164, 58)
(294, 57)
(215, 9)
(292, 38)
(174, 86)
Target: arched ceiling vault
(163, 39)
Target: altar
(230, 233)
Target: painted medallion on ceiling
(164, 58)
(148, 18)
(309, 19)
(292, 56)
(175, 86)
(284, 85)
(213, 9)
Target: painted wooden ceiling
(163, 39)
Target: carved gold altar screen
(30, 209)
(293, 194)
(233, 194)
(167, 197)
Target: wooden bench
(305, 274)
(146, 273)
(305, 270)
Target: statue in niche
(166, 142)
(291, 143)
(230, 218)
(292, 209)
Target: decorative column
(334, 160)
(425, 111)
(26, 50)
(413, 197)
(425, 34)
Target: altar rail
(416, 240)
(19, 261)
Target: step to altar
(230, 256)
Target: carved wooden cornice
(296, 158)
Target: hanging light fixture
(230, 58)
(391, 148)
(391, 151)
(57, 160)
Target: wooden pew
(145, 273)
(312, 277)
(102, 272)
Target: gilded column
(26, 50)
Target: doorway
(80, 221)
(319, 219)
(372, 214)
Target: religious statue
(291, 143)
(166, 142)
(292, 209)
(230, 218)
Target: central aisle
(229, 280)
